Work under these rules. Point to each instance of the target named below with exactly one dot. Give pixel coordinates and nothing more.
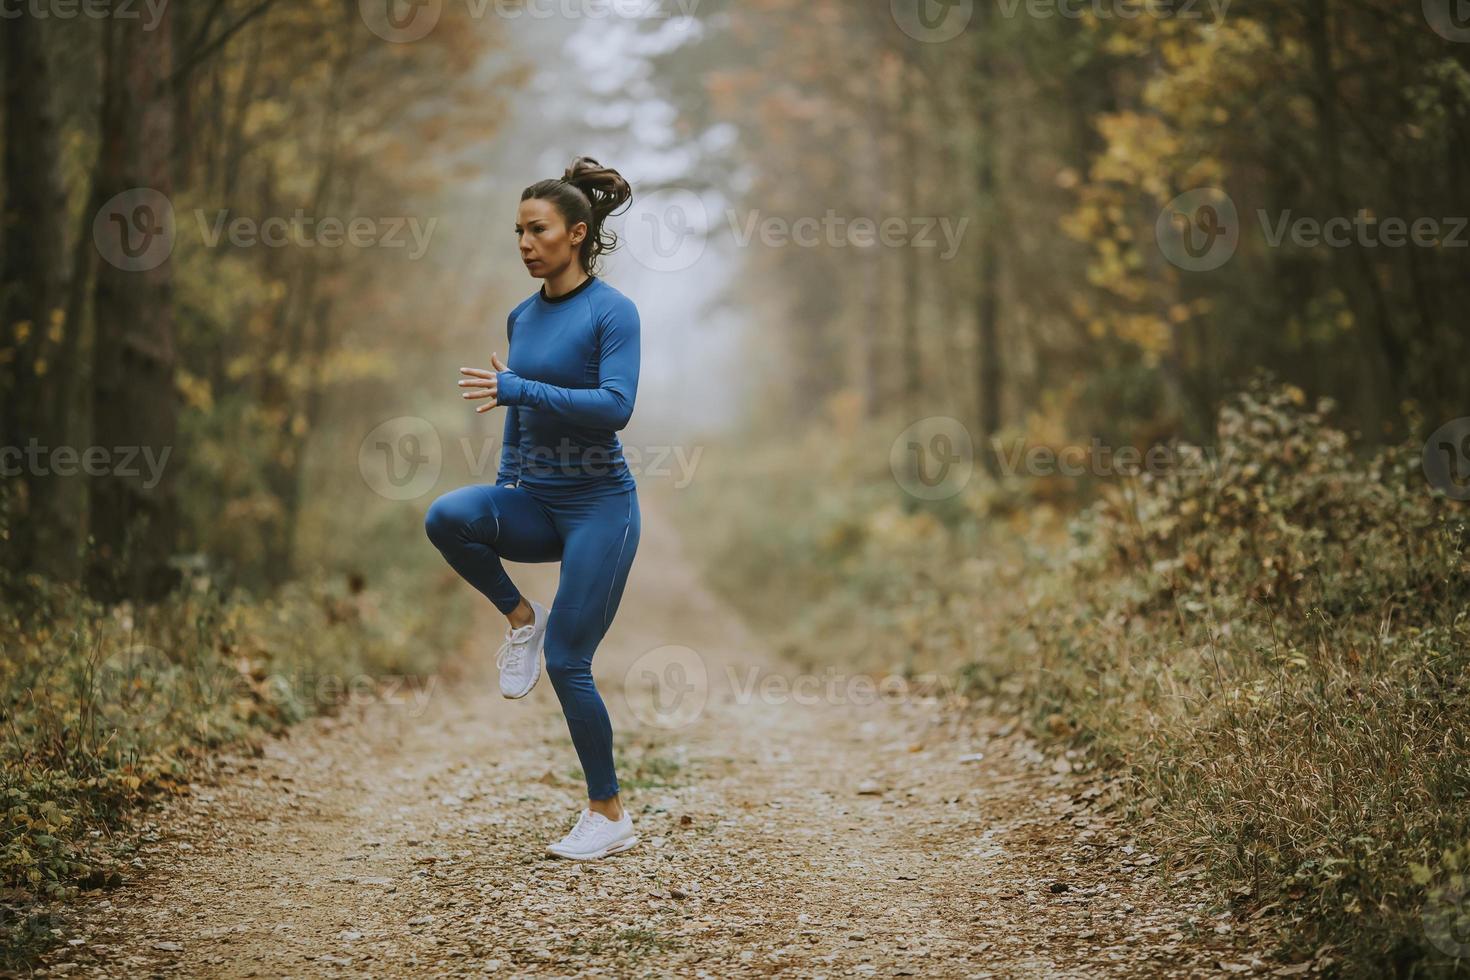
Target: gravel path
(778, 835)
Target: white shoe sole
(620, 846)
(537, 653)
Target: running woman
(563, 491)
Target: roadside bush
(107, 708)
(1274, 646)
(1266, 642)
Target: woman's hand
(483, 384)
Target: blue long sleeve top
(570, 383)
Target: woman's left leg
(476, 526)
(600, 537)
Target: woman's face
(547, 245)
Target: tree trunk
(134, 510)
(30, 285)
(987, 309)
(912, 363)
(870, 264)
(1391, 348)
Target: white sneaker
(595, 836)
(519, 658)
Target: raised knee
(441, 523)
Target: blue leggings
(595, 539)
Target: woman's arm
(510, 438)
(510, 450)
(610, 404)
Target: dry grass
(1273, 650)
(104, 710)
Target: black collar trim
(568, 295)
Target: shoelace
(583, 827)
(514, 638)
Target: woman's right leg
(601, 536)
(475, 527)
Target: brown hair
(586, 191)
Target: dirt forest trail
(800, 839)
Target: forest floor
(778, 835)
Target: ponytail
(586, 191)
